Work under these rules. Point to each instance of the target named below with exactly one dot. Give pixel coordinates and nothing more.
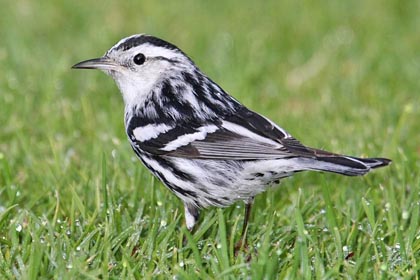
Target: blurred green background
(339, 75)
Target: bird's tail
(347, 165)
(320, 160)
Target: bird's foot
(242, 247)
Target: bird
(199, 141)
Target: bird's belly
(221, 182)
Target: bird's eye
(139, 59)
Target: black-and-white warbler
(205, 146)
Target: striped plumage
(199, 141)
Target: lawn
(75, 203)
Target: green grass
(339, 75)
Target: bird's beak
(101, 63)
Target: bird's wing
(227, 141)
(243, 136)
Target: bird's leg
(191, 216)
(242, 243)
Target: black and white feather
(198, 140)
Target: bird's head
(139, 63)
